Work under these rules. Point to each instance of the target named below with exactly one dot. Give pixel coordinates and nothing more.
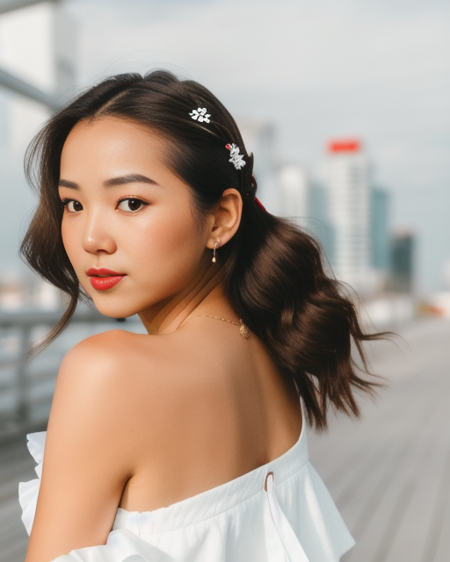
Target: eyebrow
(130, 178)
(120, 180)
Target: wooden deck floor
(15, 466)
(389, 473)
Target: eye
(131, 204)
(72, 206)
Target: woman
(189, 443)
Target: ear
(227, 218)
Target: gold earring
(216, 245)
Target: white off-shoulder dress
(279, 512)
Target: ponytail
(276, 281)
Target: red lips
(103, 279)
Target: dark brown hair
(273, 272)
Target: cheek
(171, 248)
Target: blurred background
(346, 106)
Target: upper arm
(88, 453)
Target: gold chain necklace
(243, 330)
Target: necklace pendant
(243, 330)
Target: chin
(114, 310)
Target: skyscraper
(347, 184)
(402, 262)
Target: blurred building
(347, 183)
(402, 262)
(4, 122)
(38, 54)
(259, 138)
(64, 34)
(38, 43)
(380, 236)
(294, 193)
(304, 200)
(355, 229)
(319, 222)
(380, 229)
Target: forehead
(111, 140)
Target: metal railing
(26, 385)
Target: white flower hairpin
(200, 115)
(235, 158)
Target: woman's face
(128, 225)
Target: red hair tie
(260, 205)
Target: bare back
(221, 409)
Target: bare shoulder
(104, 365)
(109, 358)
(102, 398)
(105, 348)
(116, 371)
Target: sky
(319, 69)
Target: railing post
(23, 406)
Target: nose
(98, 236)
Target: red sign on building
(345, 145)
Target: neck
(204, 296)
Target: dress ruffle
(29, 491)
(241, 521)
(121, 546)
